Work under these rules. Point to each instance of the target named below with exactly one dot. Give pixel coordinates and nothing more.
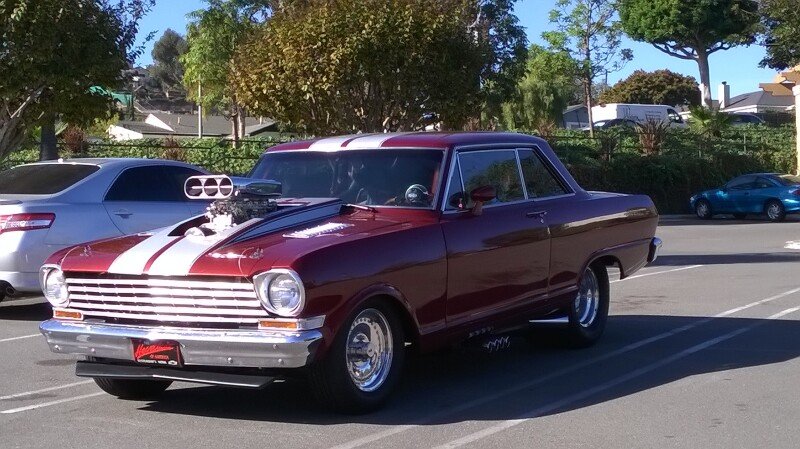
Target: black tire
(331, 381)
(775, 211)
(132, 389)
(740, 216)
(582, 331)
(702, 208)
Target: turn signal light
(278, 324)
(25, 222)
(67, 314)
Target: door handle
(540, 214)
(123, 213)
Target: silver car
(47, 206)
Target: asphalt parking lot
(701, 351)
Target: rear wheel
(775, 210)
(363, 366)
(589, 311)
(702, 208)
(132, 389)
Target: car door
(148, 197)
(737, 193)
(762, 190)
(497, 259)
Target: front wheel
(363, 366)
(132, 389)
(775, 210)
(588, 313)
(702, 208)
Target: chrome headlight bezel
(48, 272)
(262, 283)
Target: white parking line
(44, 390)
(657, 272)
(19, 338)
(606, 386)
(48, 404)
(553, 375)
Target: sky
(738, 67)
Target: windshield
(788, 180)
(405, 178)
(44, 179)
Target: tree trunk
(48, 148)
(705, 77)
(587, 90)
(242, 114)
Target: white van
(639, 113)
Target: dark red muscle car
(337, 255)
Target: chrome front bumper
(199, 347)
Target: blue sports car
(771, 194)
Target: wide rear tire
(132, 389)
(363, 365)
(588, 313)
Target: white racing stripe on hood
(179, 258)
(135, 259)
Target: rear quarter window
(45, 179)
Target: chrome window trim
(548, 165)
(494, 150)
(521, 175)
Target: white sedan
(47, 206)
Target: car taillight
(25, 222)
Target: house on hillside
(162, 125)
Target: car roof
(415, 140)
(110, 162)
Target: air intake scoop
(221, 187)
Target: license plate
(164, 353)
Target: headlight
(54, 286)
(281, 292)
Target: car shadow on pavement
(725, 259)
(14, 310)
(538, 375)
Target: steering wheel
(417, 194)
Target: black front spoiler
(115, 371)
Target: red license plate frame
(157, 353)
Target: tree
(167, 68)
(214, 36)
(500, 34)
(692, 29)
(543, 93)
(782, 33)
(52, 53)
(659, 87)
(709, 122)
(371, 66)
(589, 32)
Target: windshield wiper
(362, 207)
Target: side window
(674, 116)
(498, 169)
(763, 183)
(741, 183)
(149, 183)
(539, 180)
(456, 199)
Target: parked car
(639, 113)
(379, 243)
(770, 194)
(614, 123)
(745, 118)
(47, 206)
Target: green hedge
(612, 161)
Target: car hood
(274, 241)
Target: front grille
(165, 300)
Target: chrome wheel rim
(369, 350)
(702, 209)
(587, 303)
(774, 211)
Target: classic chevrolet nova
(339, 255)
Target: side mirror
(482, 195)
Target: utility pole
(796, 92)
(199, 110)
